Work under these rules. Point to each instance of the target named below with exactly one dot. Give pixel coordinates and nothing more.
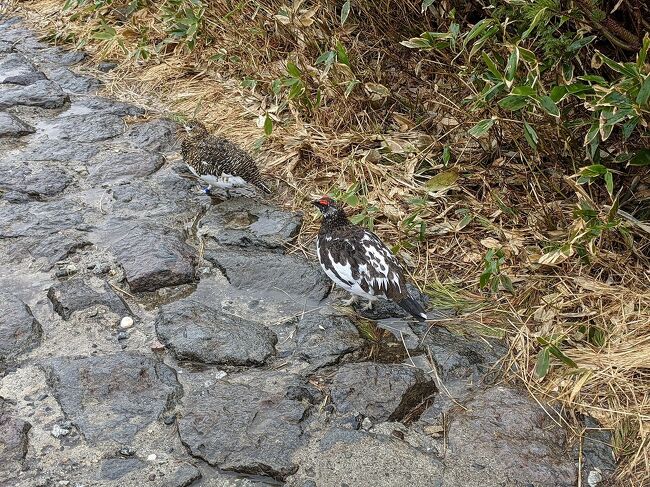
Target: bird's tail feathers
(262, 185)
(413, 307)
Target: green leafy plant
(550, 347)
(492, 276)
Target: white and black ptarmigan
(356, 260)
(219, 162)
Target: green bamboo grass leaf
(549, 106)
(644, 92)
(345, 12)
(481, 128)
(531, 136)
(543, 363)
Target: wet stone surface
(238, 222)
(33, 181)
(12, 126)
(113, 397)
(152, 336)
(77, 294)
(200, 333)
(152, 257)
(283, 274)
(42, 94)
(258, 427)
(381, 392)
(16, 69)
(19, 330)
(13, 443)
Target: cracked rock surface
(150, 336)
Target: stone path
(237, 370)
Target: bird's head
(194, 128)
(328, 207)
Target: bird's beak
(316, 202)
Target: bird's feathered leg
(351, 301)
(369, 305)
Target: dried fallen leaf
(490, 243)
(556, 256)
(442, 180)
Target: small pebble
(59, 431)
(366, 424)
(595, 477)
(156, 346)
(122, 335)
(152, 477)
(64, 482)
(106, 66)
(126, 322)
(152, 457)
(127, 452)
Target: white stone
(595, 477)
(126, 322)
(58, 431)
(152, 457)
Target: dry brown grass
(389, 146)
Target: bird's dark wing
(358, 257)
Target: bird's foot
(369, 305)
(351, 301)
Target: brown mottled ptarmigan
(356, 260)
(218, 161)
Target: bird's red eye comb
(325, 201)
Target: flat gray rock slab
(16, 69)
(183, 476)
(36, 181)
(98, 104)
(91, 127)
(257, 271)
(19, 330)
(40, 218)
(245, 423)
(155, 136)
(356, 458)
(48, 248)
(59, 56)
(458, 357)
(77, 294)
(200, 333)
(319, 340)
(110, 398)
(71, 82)
(115, 166)
(116, 468)
(245, 222)
(161, 197)
(502, 437)
(14, 442)
(57, 151)
(12, 126)
(42, 94)
(381, 392)
(152, 257)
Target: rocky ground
(150, 336)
